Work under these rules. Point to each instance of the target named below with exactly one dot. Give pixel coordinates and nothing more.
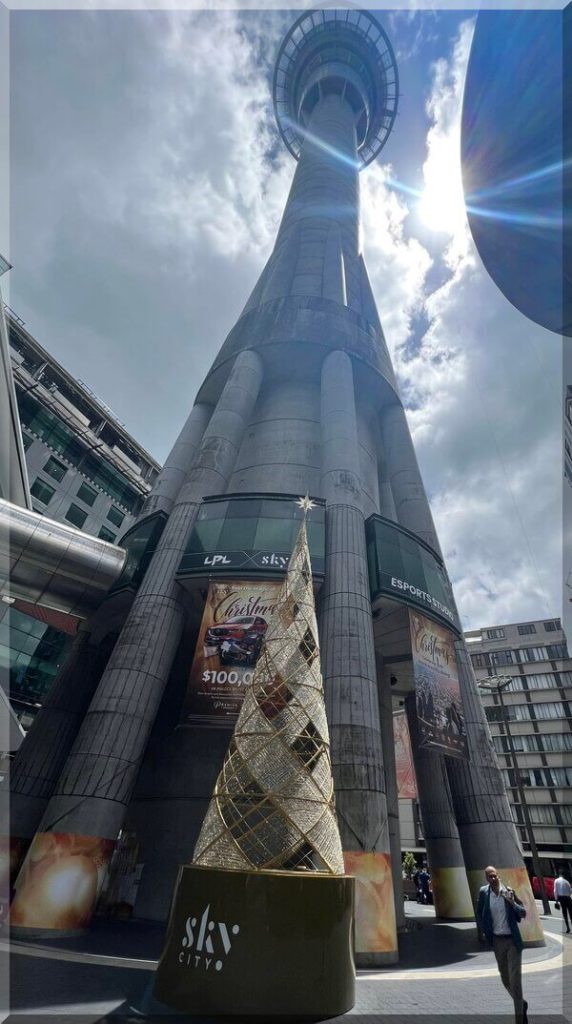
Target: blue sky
(147, 185)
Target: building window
(107, 535)
(543, 680)
(516, 684)
(566, 813)
(553, 625)
(115, 516)
(76, 515)
(42, 491)
(27, 440)
(527, 627)
(541, 815)
(496, 714)
(480, 660)
(532, 654)
(87, 494)
(501, 658)
(494, 634)
(556, 651)
(526, 712)
(555, 742)
(55, 469)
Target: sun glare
(441, 204)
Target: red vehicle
(239, 639)
(548, 885)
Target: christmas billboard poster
(438, 693)
(406, 781)
(235, 621)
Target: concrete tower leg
(391, 793)
(484, 822)
(410, 502)
(41, 758)
(486, 829)
(179, 462)
(348, 661)
(451, 895)
(38, 763)
(95, 786)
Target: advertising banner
(438, 694)
(406, 781)
(235, 621)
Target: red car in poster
(239, 639)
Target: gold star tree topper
(306, 504)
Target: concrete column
(486, 829)
(410, 501)
(96, 784)
(451, 894)
(391, 794)
(41, 758)
(179, 462)
(348, 662)
(39, 762)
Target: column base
(364, 960)
(234, 939)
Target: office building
(537, 704)
(85, 471)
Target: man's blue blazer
(485, 919)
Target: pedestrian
(424, 890)
(563, 896)
(499, 911)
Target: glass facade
(251, 533)
(405, 569)
(140, 543)
(31, 653)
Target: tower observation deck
(300, 399)
(336, 53)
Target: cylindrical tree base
(259, 944)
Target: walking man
(563, 895)
(498, 913)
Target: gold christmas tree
(273, 803)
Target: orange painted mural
(375, 930)
(59, 882)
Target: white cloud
(485, 416)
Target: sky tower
(301, 399)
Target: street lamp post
(496, 684)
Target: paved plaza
(443, 974)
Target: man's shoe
(524, 1013)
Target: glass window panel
(87, 494)
(115, 516)
(556, 651)
(42, 491)
(56, 469)
(205, 536)
(238, 534)
(76, 515)
(275, 534)
(107, 535)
